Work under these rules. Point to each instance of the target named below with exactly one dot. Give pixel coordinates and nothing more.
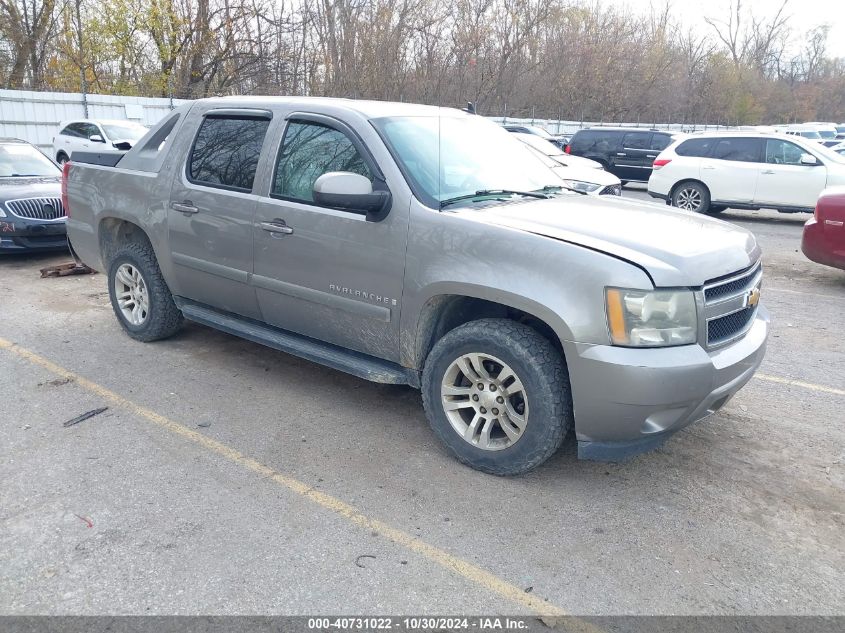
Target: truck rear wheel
(496, 392)
(139, 295)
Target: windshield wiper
(550, 188)
(494, 192)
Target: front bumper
(22, 234)
(628, 401)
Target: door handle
(708, 167)
(276, 226)
(651, 155)
(621, 154)
(768, 171)
(184, 207)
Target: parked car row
(31, 212)
(104, 136)
(708, 173)
(32, 216)
(577, 173)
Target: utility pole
(83, 83)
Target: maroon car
(824, 233)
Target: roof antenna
(470, 107)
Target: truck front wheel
(139, 295)
(496, 392)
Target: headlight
(580, 185)
(656, 318)
(2, 213)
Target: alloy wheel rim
(131, 292)
(484, 401)
(689, 199)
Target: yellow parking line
(450, 562)
(800, 383)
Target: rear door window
(743, 150)
(636, 140)
(226, 151)
(75, 130)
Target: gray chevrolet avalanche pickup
(424, 246)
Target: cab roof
(370, 109)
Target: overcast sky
(804, 14)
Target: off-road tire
(163, 319)
(540, 368)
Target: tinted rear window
(744, 150)
(226, 151)
(695, 147)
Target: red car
(824, 233)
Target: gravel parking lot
(228, 478)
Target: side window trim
(223, 114)
(379, 182)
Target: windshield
(450, 156)
(810, 134)
(18, 159)
(827, 134)
(124, 131)
(829, 154)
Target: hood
(676, 248)
(29, 187)
(597, 176)
(576, 161)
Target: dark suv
(628, 153)
(31, 213)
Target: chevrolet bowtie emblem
(753, 297)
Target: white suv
(708, 173)
(104, 136)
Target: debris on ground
(358, 560)
(58, 382)
(63, 270)
(84, 416)
(87, 521)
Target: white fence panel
(35, 116)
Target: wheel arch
(683, 182)
(442, 313)
(113, 231)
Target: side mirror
(96, 138)
(809, 159)
(351, 192)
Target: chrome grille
(725, 328)
(611, 190)
(731, 285)
(37, 208)
(730, 304)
